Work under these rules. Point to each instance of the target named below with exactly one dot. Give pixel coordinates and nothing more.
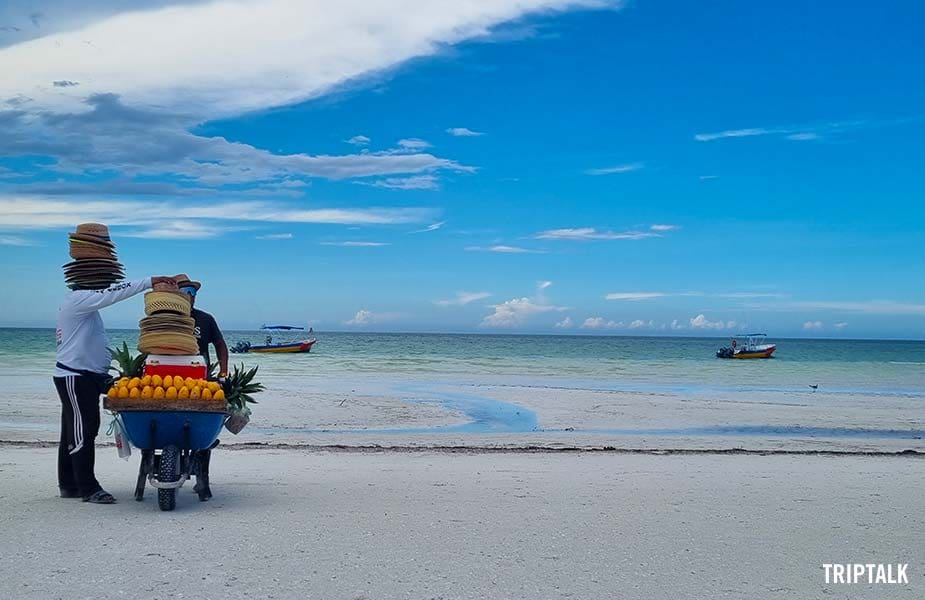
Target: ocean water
(872, 393)
(870, 367)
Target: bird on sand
(815, 387)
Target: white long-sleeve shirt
(80, 336)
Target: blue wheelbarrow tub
(204, 428)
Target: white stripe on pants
(78, 422)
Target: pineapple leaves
(126, 364)
(239, 387)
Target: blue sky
(646, 168)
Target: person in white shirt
(81, 374)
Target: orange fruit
(213, 386)
(171, 393)
(219, 395)
(206, 394)
(113, 392)
(158, 393)
(123, 391)
(195, 393)
(147, 392)
(189, 382)
(146, 380)
(134, 383)
(183, 394)
(123, 381)
(134, 393)
(168, 381)
(156, 381)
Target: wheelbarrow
(171, 443)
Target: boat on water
(300, 346)
(278, 347)
(753, 345)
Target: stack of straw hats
(95, 266)
(168, 327)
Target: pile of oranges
(155, 387)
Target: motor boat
(751, 345)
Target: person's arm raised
(90, 300)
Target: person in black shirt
(207, 332)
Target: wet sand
(403, 412)
(423, 525)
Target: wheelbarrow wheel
(168, 472)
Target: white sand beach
(400, 412)
(423, 525)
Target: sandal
(100, 497)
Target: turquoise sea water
(868, 366)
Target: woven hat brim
(170, 302)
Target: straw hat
(183, 280)
(170, 302)
(167, 322)
(97, 230)
(95, 266)
(168, 342)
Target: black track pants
(80, 422)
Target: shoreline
(515, 449)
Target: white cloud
(413, 144)
(24, 212)
(746, 295)
(359, 140)
(463, 132)
(639, 324)
(625, 168)
(664, 227)
(734, 133)
(802, 137)
(600, 323)
(701, 322)
(416, 182)
(180, 230)
(840, 326)
(14, 240)
(463, 298)
(232, 56)
(633, 296)
(431, 227)
(150, 71)
(503, 249)
(565, 323)
(798, 133)
(873, 307)
(676, 325)
(365, 317)
(813, 326)
(517, 312)
(275, 236)
(705, 177)
(590, 233)
(108, 135)
(355, 244)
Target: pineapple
(126, 364)
(238, 388)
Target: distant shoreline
(514, 334)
